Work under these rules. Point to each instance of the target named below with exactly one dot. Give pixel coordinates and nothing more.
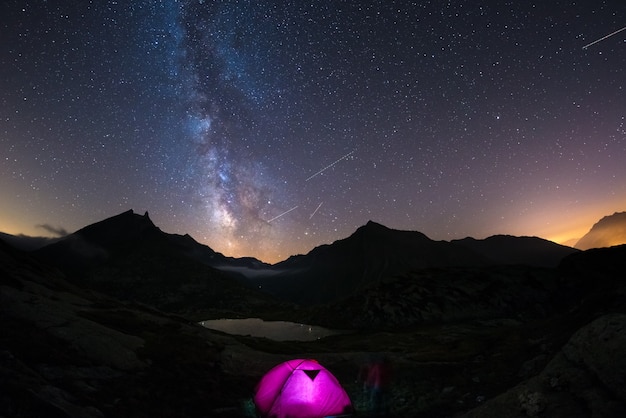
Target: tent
(301, 389)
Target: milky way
(265, 128)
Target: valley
(105, 323)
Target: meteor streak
(604, 37)
(282, 214)
(330, 165)
(316, 209)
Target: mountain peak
(375, 226)
(119, 227)
(377, 232)
(607, 232)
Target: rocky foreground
(69, 351)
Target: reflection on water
(274, 330)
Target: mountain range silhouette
(327, 273)
(104, 322)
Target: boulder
(585, 379)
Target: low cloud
(56, 231)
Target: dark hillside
(129, 258)
(480, 341)
(528, 251)
(330, 272)
(66, 352)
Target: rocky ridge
(117, 337)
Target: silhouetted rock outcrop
(585, 379)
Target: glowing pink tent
(301, 389)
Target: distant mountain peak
(607, 232)
(378, 234)
(616, 217)
(119, 227)
(375, 226)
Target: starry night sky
(265, 128)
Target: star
(250, 124)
